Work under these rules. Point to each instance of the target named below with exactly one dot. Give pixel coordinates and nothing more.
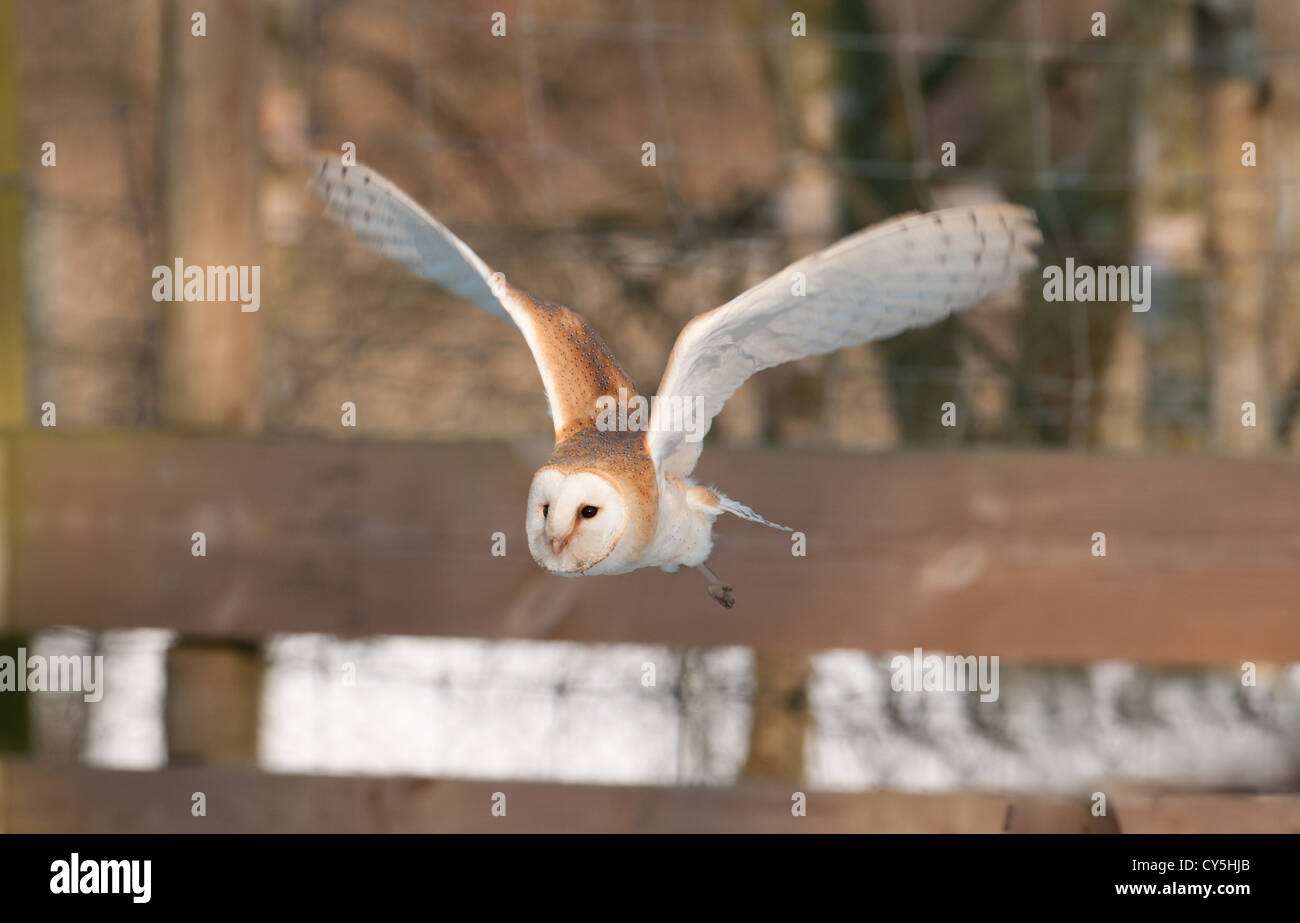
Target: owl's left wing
(576, 366)
(910, 271)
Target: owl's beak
(560, 542)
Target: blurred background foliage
(768, 146)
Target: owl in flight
(617, 493)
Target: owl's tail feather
(727, 505)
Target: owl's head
(574, 520)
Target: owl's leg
(717, 589)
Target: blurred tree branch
(13, 367)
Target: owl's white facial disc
(574, 521)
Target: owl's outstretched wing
(909, 271)
(575, 364)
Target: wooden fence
(979, 553)
(44, 800)
(971, 552)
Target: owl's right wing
(910, 271)
(576, 366)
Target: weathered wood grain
(46, 799)
(975, 553)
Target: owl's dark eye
(589, 511)
(546, 510)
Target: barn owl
(617, 493)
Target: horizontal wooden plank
(1208, 813)
(981, 553)
(53, 799)
(45, 798)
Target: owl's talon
(717, 589)
(722, 593)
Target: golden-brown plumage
(578, 367)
